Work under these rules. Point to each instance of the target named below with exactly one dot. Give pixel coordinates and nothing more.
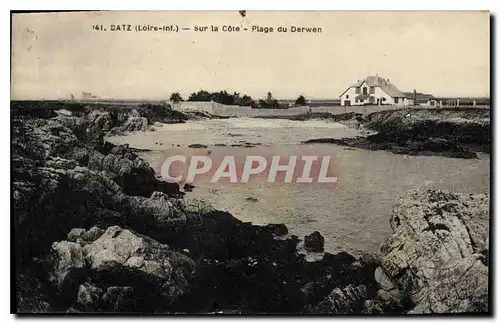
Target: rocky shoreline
(96, 232)
(449, 132)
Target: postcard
(251, 162)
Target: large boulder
(437, 256)
(67, 265)
(120, 268)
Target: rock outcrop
(60, 176)
(436, 261)
(456, 125)
(119, 267)
(101, 120)
(458, 133)
(343, 301)
(135, 123)
(132, 173)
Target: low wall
(205, 106)
(208, 106)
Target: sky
(57, 54)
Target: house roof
(377, 81)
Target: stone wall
(206, 106)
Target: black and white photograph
(247, 162)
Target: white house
(373, 90)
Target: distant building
(286, 102)
(88, 96)
(420, 99)
(373, 90)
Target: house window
(358, 90)
(372, 99)
(347, 96)
(372, 90)
(396, 100)
(365, 90)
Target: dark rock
(314, 242)
(132, 173)
(75, 234)
(89, 296)
(385, 303)
(252, 199)
(276, 229)
(454, 133)
(370, 259)
(315, 115)
(254, 263)
(31, 295)
(161, 113)
(34, 109)
(197, 146)
(188, 187)
(120, 299)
